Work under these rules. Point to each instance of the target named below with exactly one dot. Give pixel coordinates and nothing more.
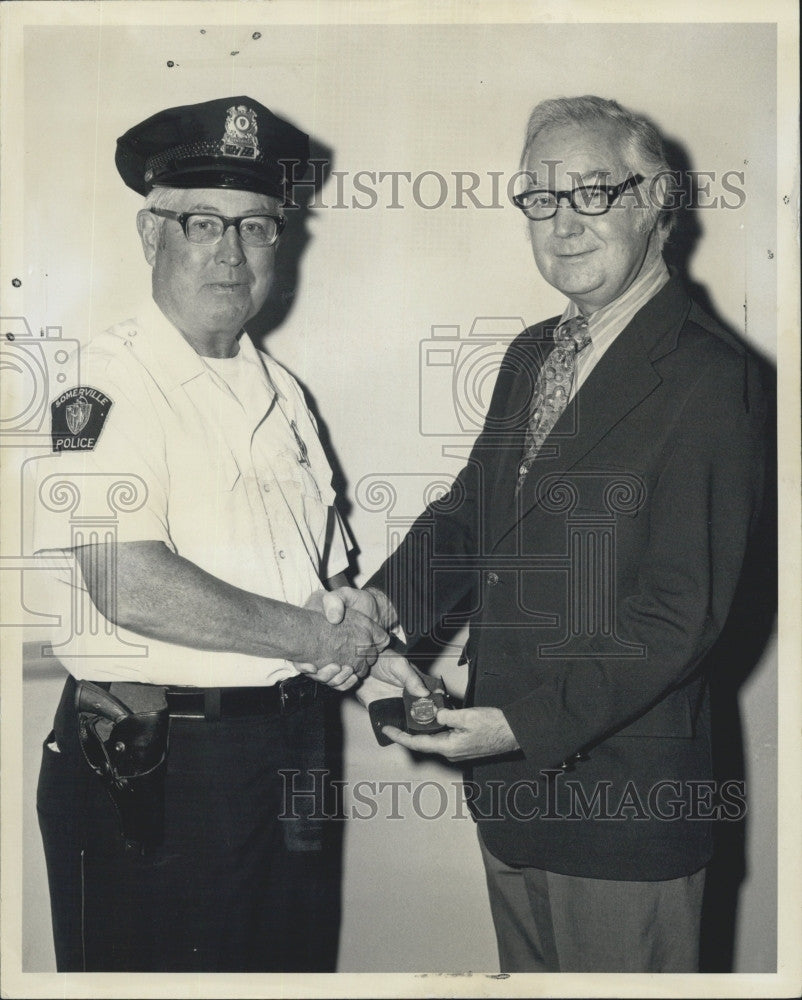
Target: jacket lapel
(621, 380)
(506, 434)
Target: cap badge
(240, 136)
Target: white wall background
(372, 283)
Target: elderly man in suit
(597, 533)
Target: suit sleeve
(700, 513)
(452, 527)
(446, 527)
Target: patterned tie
(553, 389)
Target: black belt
(212, 704)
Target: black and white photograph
(400, 451)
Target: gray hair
(164, 197)
(641, 147)
(170, 198)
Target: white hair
(171, 198)
(165, 197)
(642, 145)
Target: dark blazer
(595, 595)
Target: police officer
(162, 838)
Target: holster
(127, 749)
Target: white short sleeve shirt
(219, 461)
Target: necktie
(553, 389)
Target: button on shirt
(228, 471)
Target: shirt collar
(174, 361)
(612, 318)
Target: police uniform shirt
(226, 470)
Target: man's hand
(370, 602)
(342, 675)
(392, 668)
(356, 642)
(388, 678)
(352, 643)
(473, 732)
(332, 675)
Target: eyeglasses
(206, 228)
(595, 199)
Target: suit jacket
(595, 595)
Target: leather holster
(126, 745)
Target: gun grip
(94, 700)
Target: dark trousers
(231, 888)
(547, 922)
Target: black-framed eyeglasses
(594, 199)
(208, 228)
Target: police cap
(233, 142)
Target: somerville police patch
(77, 418)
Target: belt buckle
(295, 693)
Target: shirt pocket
(224, 473)
(318, 502)
(202, 480)
(312, 487)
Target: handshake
(360, 621)
(345, 654)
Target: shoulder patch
(77, 418)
